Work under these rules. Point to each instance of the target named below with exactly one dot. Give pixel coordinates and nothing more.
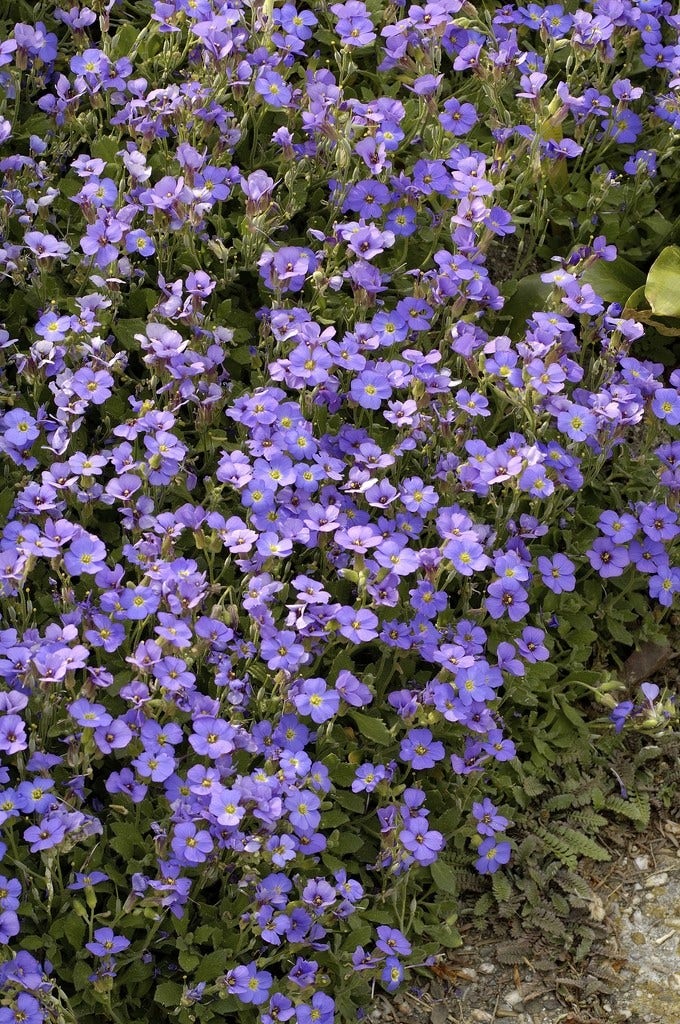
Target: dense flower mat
(335, 452)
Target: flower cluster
(312, 490)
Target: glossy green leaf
(616, 281)
(662, 290)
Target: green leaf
(123, 41)
(74, 930)
(188, 961)
(662, 289)
(446, 935)
(444, 877)
(373, 729)
(212, 965)
(530, 296)
(124, 332)
(168, 993)
(616, 281)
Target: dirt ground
(633, 976)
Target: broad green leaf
(530, 296)
(616, 281)
(662, 289)
(373, 729)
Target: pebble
(467, 973)
(638, 938)
(481, 1016)
(642, 863)
(487, 968)
(655, 881)
(513, 998)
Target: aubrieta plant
(335, 474)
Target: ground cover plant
(340, 462)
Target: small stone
(638, 938)
(481, 1016)
(487, 968)
(439, 1014)
(642, 863)
(513, 998)
(655, 881)
(467, 973)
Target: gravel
(633, 979)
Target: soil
(633, 976)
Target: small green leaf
(662, 289)
(212, 966)
(373, 729)
(168, 993)
(444, 877)
(446, 935)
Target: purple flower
(322, 1008)
(392, 941)
(303, 812)
(12, 734)
(609, 559)
(506, 596)
(86, 554)
(367, 777)
(535, 480)
(620, 713)
(317, 700)
(392, 974)
(20, 429)
(273, 89)
(458, 118)
(9, 926)
(45, 246)
(138, 602)
(620, 528)
(191, 845)
(420, 750)
(355, 28)
(489, 821)
(659, 522)
(85, 881)
(359, 625)
(664, 585)
(138, 241)
(26, 1010)
(287, 268)
(370, 389)
(422, 842)
(282, 651)
(107, 943)
(48, 833)
(466, 555)
(557, 573)
(577, 422)
(492, 855)
(666, 405)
